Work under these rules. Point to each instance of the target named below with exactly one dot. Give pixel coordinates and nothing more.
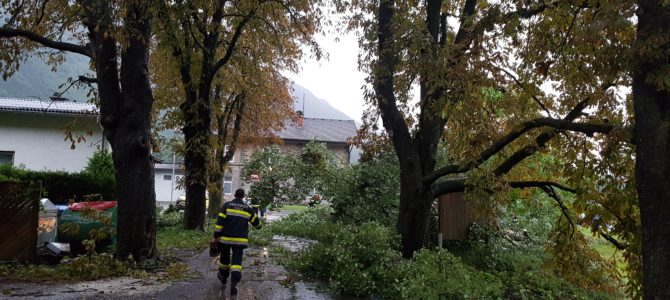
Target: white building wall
(38, 140)
(167, 192)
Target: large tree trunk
(652, 140)
(132, 143)
(196, 136)
(215, 197)
(218, 171)
(197, 132)
(413, 213)
(125, 114)
(125, 110)
(415, 199)
(136, 224)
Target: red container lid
(96, 205)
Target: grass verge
(172, 238)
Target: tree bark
(415, 198)
(125, 114)
(219, 170)
(234, 108)
(413, 212)
(198, 116)
(197, 132)
(132, 145)
(652, 140)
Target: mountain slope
(35, 79)
(315, 107)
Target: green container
(83, 226)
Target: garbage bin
(73, 215)
(46, 230)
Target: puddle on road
(291, 243)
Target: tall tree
(203, 37)
(257, 108)
(109, 33)
(651, 98)
(479, 92)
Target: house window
(167, 177)
(228, 185)
(7, 158)
(225, 150)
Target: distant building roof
(169, 166)
(322, 130)
(48, 106)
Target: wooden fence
(455, 217)
(19, 213)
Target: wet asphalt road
(262, 278)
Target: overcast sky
(337, 78)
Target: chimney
(300, 118)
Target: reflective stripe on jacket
(232, 223)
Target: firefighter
(231, 235)
(256, 205)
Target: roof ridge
(342, 120)
(48, 106)
(47, 100)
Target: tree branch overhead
(46, 42)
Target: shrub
(61, 186)
(441, 275)
(367, 192)
(260, 238)
(168, 219)
(100, 167)
(540, 284)
(312, 223)
(356, 259)
(520, 266)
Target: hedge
(61, 186)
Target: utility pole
(172, 178)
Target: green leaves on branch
(289, 177)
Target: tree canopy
(229, 50)
(513, 95)
(288, 176)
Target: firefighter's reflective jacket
(232, 223)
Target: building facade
(335, 134)
(48, 135)
(295, 135)
(61, 135)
